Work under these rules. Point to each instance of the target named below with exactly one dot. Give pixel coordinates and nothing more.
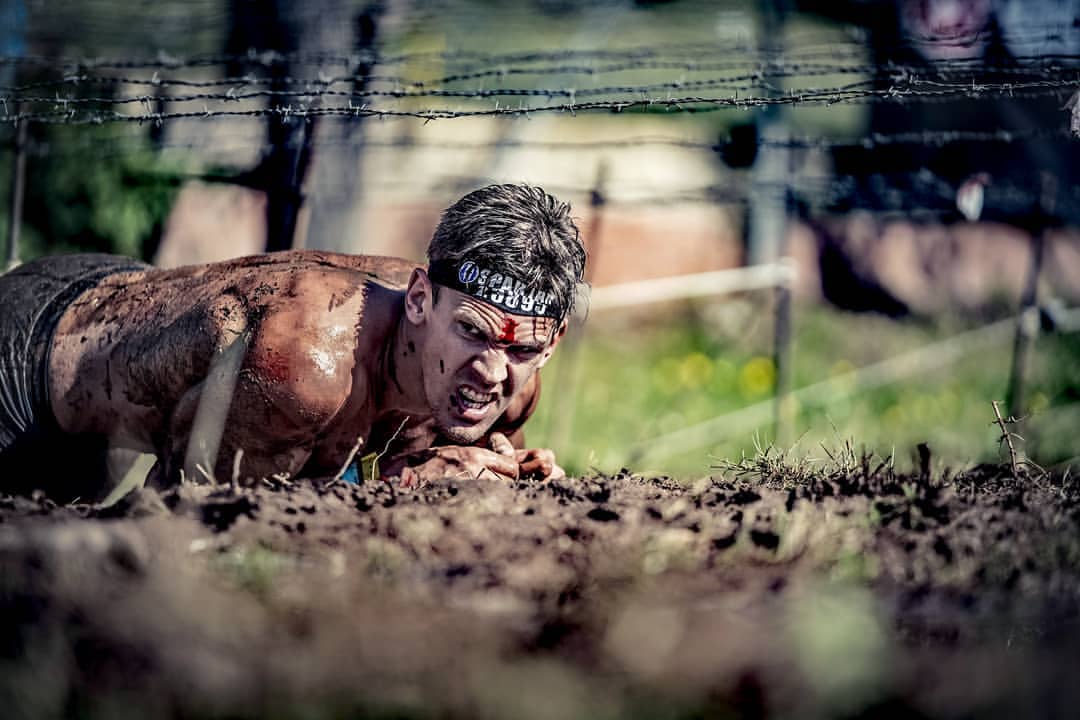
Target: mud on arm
(259, 410)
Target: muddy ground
(769, 590)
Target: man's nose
(491, 365)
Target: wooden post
(335, 211)
(1027, 323)
(285, 168)
(18, 192)
(283, 29)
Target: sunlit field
(637, 379)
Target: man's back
(131, 357)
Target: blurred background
(813, 226)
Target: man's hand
(453, 461)
(502, 462)
(539, 462)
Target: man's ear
(554, 342)
(418, 297)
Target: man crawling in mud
(289, 364)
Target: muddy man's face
(475, 357)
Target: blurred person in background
(1010, 147)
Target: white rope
(681, 287)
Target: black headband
(497, 288)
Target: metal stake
(1027, 325)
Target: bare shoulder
(306, 352)
(389, 271)
(386, 270)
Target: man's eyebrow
(463, 316)
(536, 345)
(469, 316)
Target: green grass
(637, 378)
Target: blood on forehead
(501, 326)
(509, 328)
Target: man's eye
(525, 351)
(470, 330)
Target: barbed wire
(63, 113)
(759, 75)
(314, 93)
(753, 79)
(782, 68)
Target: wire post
(782, 351)
(335, 209)
(286, 166)
(782, 358)
(772, 163)
(1027, 323)
(785, 402)
(18, 192)
(570, 366)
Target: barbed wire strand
(64, 114)
(773, 69)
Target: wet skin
(316, 351)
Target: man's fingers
(409, 478)
(502, 464)
(501, 444)
(539, 461)
(540, 465)
(456, 462)
(476, 460)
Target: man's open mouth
(472, 402)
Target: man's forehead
(494, 319)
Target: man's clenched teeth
(472, 399)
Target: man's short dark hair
(518, 230)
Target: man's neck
(400, 376)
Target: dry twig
(1007, 436)
(209, 478)
(236, 467)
